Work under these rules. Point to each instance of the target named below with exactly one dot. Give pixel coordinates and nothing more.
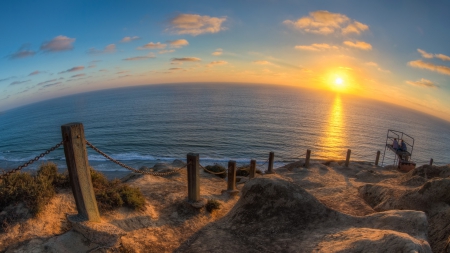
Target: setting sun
(339, 81)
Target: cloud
(218, 52)
(111, 48)
(77, 68)
(5, 79)
(215, 63)
(194, 24)
(51, 84)
(45, 82)
(92, 66)
(152, 45)
(359, 44)
(19, 82)
(178, 43)
(103, 70)
(23, 52)
(123, 72)
(374, 64)
(263, 62)
(129, 39)
(442, 57)
(430, 66)
(136, 58)
(37, 72)
(175, 69)
(166, 51)
(324, 23)
(57, 44)
(423, 83)
(189, 59)
(316, 47)
(425, 54)
(78, 75)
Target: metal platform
(401, 157)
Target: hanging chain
(32, 160)
(130, 168)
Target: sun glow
(338, 81)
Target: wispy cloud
(325, 22)
(430, 66)
(19, 82)
(218, 52)
(111, 48)
(5, 79)
(374, 64)
(316, 47)
(51, 84)
(57, 44)
(129, 39)
(184, 59)
(77, 68)
(430, 56)
(78, 75)
(194, 24)
(152, 45)
(23, 52)
(166, 51)
(136, 58)
(215, 63)
(423, 83)
(37, 72)
(46, 82)
(178, 43)
(263, 62)
(176, 69)
(358, 44)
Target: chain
(32, 160)
(131, 169)
(212, 172)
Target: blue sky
(394, 51)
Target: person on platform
(395, 144)
(403, 145)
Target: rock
(161, 166)
(272, 211)
(104, 234)
(178, 163)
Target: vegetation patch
(212, 205)
(216, 168)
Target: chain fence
(48, 151)
(130, 168)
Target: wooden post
(252, 169)
(79, 171)
(193, 177)
(308, 156)
(231, 186)
(431, 161)
(270, 166)
(377, 159)
(347, 160)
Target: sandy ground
(170, 224)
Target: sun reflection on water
(333, 140)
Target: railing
(79, 171)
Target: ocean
(143, 125)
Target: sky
(393, 51)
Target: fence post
(308, 156)
(252, 169)
(270, 166)
(193, 177)
(431, 161)
(378, 158)
(231, 186)
(347, 160)
(79, 171)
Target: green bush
(114, 194)
(212, 205)
(216, 168)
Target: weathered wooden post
(377, 159)
(193, 177)
(431, 161)
(308, 156)
(231, 186)
(347, 160)
(252, 169)
(270, 166)
(79, 171)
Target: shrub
(216, 168)
(114, 194)
(212, 205)
(243, 171)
